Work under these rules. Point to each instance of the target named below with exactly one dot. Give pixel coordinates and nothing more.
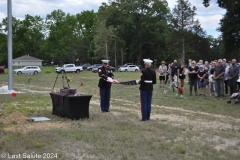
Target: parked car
(96, 69)
(129, 68)
(93, 66)
(126, 64)
(28, 70)
(69, 68)
(112, 68)
(1, 69)
(86, 65)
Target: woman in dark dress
(192, 74)
(181, 73)
(201, 77)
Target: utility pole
(10, 82)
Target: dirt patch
(15, 117)
(74, 150)
(26, 125)
(35, 126)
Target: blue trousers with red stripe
(105, 99)
(146, 101)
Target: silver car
(28, 70)
(129, 68)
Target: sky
(209, 18)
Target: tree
(105, 38)
(104, 34)
(85, 29)
(3, 49)
(60, 43)
(102, 38)
(183, 21)
(217, 48)
(27, 35)
(229, 26)
(141, 24)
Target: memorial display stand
(68, 104)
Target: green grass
(193, 127)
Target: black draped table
(70, 105)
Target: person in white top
(162, 73)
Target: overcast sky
(208, 17)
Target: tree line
(122, 31)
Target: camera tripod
(63, 76)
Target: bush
(47, 71)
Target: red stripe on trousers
(141, 104)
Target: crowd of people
(219, 76)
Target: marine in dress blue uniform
(105, 87)
(148, 78)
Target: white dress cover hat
(105, 61)
(147, 61)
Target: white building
(26, 61)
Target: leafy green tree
(27, 35)
(85, 31)
(217, 48)
(60, 41)
(3, 49)
(142, 24)
(183, 21)
(229, 26)
(102, 38)
(68, 37)
(3, 46)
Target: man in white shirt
(162, 73)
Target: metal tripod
(63, 76)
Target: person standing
(169, 75)
(175, 70)
(104, 86)
(192, 74)
(189, 63)
(224, 62)
(206, 68)
(201, 76)
(162, 73)
(226, 76)
(219, 77)
(182, 73)
(148, 78)
(211, 79)
(233, 77)
(200, 62)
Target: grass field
(191, 128)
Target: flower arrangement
(68, 79)
(165, 92)
(81, 83)
(180, 91)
